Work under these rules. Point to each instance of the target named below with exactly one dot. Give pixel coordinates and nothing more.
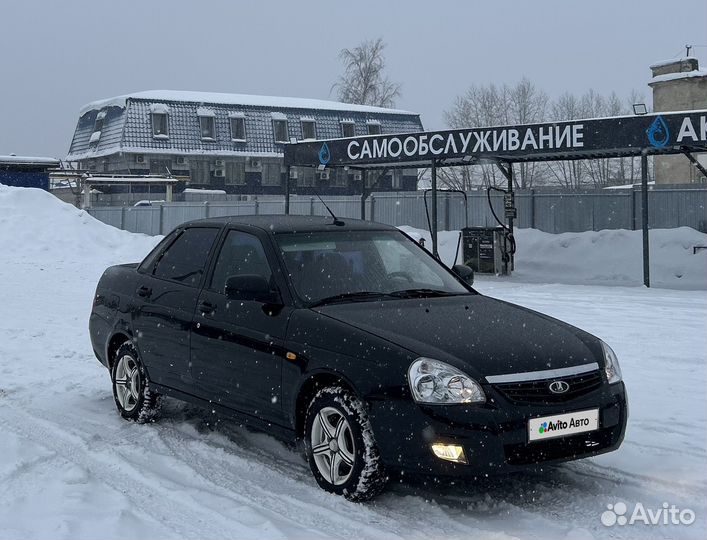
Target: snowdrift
(609, 257)
(36, 226)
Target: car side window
(242, 253)
(148, 264)
(185, 259)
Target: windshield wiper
(360, 296)
(423, 293)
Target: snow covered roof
(28, 160)
(664, 63)
(128, 127)
(235, 99)
(679, 75)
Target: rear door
(166, 296)
(238, 345)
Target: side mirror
(250, 287)
(465, 273)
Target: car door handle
(206, 308)
(145, 292)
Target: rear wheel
(340, 446)
(133, 396)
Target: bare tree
(493, 105)
(527, 104)
(568, 174)
(363, 81)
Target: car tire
(134, 398)
(340, 446)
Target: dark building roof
(279, 223)
(127, 124)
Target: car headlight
(432, 381)
(611, 364)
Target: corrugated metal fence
(553, 212)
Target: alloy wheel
(333, 446)
(127, 382)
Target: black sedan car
(352, 338)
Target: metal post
(287, 190)
(373, 208)
(644, 213)
(510, 219)
(86, 194)
(364, 177)
(632, 210)
(433, 225)
(169, 193)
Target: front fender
(373, 367)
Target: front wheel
(340, 446)
(133, 396)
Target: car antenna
(337, 221)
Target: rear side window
(148, 264)
(185, 259)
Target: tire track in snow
(148, 497)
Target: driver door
(237, 346)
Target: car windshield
(326, 267)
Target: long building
(229, 141)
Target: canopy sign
(663, 133)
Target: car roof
(281, 223)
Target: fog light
(449, 452)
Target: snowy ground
(70, 468)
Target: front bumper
(494, 435)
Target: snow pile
(608, 257)
(36, 226)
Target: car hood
(479, 334)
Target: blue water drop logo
(324, 154)
(658, 133)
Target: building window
(100, 119)
(396, 181)
(160, 166)
(235, 173)
(309, 129)
(339, 177)
(280, 130)
(238, 128)
(306, 177)
(374, 128)
(160, 125)
(207, 127)
(272, 174)
(347, 129)
(97, 128)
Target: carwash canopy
(621, 136)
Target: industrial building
(678, 85)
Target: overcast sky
(59, 55)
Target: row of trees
(524, 103)
(364, 82)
